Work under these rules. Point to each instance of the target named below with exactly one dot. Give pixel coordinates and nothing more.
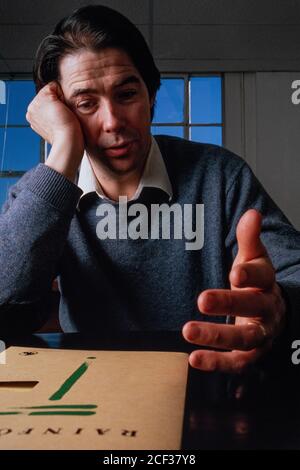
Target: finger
(243, 337)
(229, 362)
(244, 303)
(248, 233)
(54, 90)
(59, 92)
(256, 273)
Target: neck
(114, 185)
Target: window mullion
(186, 101)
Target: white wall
(263, 125)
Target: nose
(112, 117)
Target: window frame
(187, 103)
(16, 78)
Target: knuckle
(212, 362)
(28, 118)
(217, 336)
(250, 339)
(254, 336)
(49, 88)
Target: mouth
(119, 150)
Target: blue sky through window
(196, 114)
(170, 101)
(20, 149)
(19, 145)
(205, 100)
(207, 134)
(18, 96)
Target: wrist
(66, 154)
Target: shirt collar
(155, 175)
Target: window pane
(19, 149)
(205, 100)
(169, 101)
(18, 96)
(5, 184)
(176, 131)
(208, 135)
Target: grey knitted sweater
(134, 284)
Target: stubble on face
(101, 71)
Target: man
(96, 83)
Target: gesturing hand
(254, 300)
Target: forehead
(86, 66)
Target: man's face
(109, 97)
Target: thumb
(248, 237)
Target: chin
(122, 166)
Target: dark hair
(94, 27)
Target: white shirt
(155, 175)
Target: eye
(85, 105)
(127, 94)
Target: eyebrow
(125, 81)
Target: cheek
(89, 127)
(140, 116)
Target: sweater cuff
(54, 188)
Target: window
(186, 106)
(20, 147)
(190, 107)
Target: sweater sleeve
(34, 225)
(280, 238)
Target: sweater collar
(155, 175)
